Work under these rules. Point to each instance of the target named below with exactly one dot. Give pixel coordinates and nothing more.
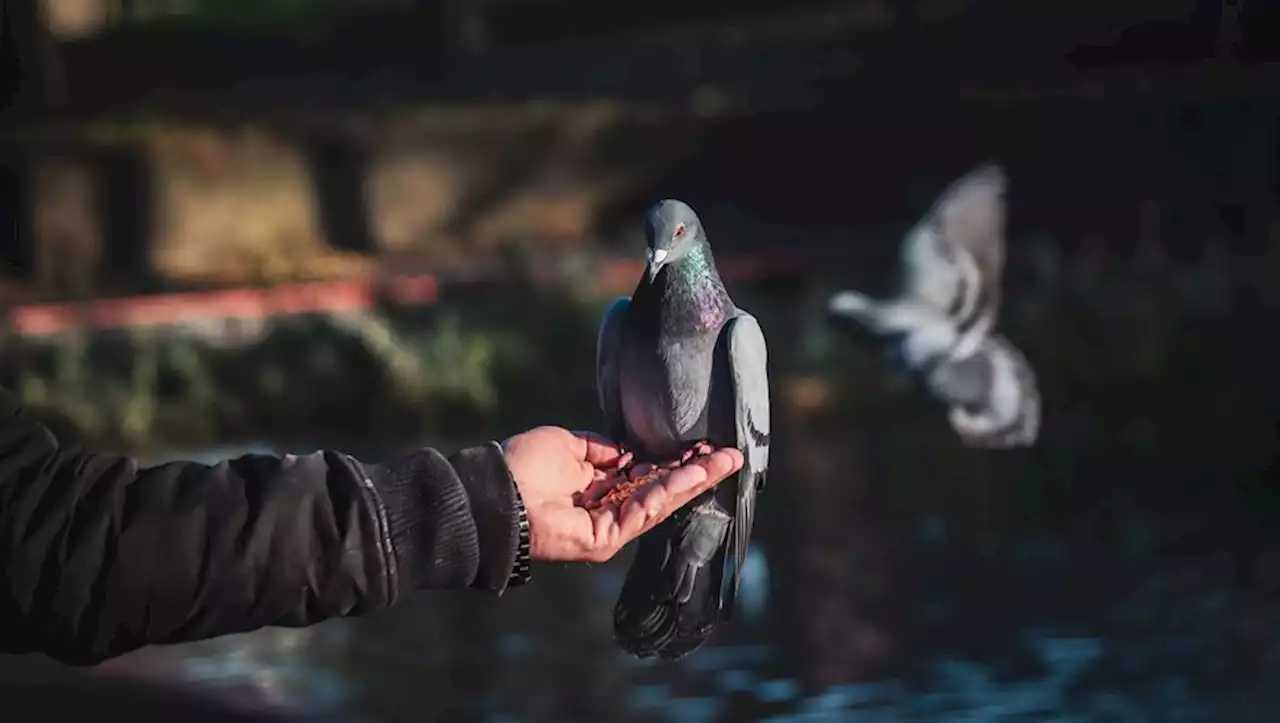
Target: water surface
(855, 608)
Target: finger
(617, 525)
(598, 449)
(600, 485)
(633, 519)
(655, 503)
(686, 482)
(678, 487)
(642, 470)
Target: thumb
(599, 451)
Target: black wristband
(522, 570)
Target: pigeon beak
(657, 257)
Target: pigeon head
(672, 230)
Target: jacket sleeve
(100, 557)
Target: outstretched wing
(608, 343)
(953, 258)
(748, 364)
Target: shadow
(1259, 29)
(127, 196)
(566, 50)
(517, 165)
(87, 698)
(32, 78)
(838, 574)
(17, 250)
(85, 220)
(467, 33)
(473, 676)
(355, 54)
(339, 168)
(1192, 39)
(394, 680)
(585, 659)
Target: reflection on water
(847, 613)
(1064, 676)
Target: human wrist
(522, 568)
(500, 517)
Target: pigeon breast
(665, 387)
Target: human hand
(554, 469)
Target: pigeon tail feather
(668, 607)
(1009, 412)
(702, 610)
(642, 622)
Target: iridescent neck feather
(689, 294)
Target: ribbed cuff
(428, 522)
(452, 521)
(492, 493)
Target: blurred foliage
(1153, 359)
(395, 375)
(308, 376)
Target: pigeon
(940, 325)
(680, 370)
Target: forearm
(457, 531)
(101, 557)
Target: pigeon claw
(634, 477)
(699, 449)
(625, 458)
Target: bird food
(623, 490)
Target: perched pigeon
(680, 368)
(940, 325)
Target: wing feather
(608, 387)
(954, 257)
(748, 362)
(1010, 414)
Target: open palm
(557, 470)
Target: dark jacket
(100, 557)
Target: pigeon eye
(679, 231)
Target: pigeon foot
(625, 458)
(633, 478)
(699, 449)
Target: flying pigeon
(940, 325)
(680, 370)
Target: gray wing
(608, 388)
(994, 396)
(748, 362)
(953, 258)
